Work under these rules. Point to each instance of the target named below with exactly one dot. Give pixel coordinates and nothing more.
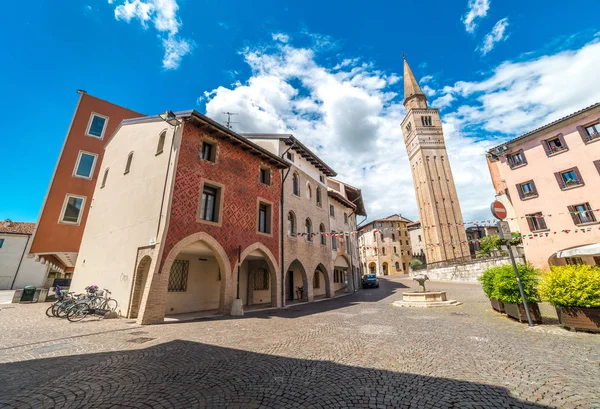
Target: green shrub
(416, 264)
(487, 281)
(571, 286)
(506, 289)
(489, 243)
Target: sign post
(499, 212)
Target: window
(208, 151)
(178, 276)
(420, 239)
(308, 191)
(582, 214)
(397, 266)
(393, 237)
(573, 260)
(381, 234)
(104, 178)
(408, 127)
(261, 280)
(84, 167)
(403, 266)
(291, 224)
(210, 207)
(322, 179)
(308, 225)
(290, 156)
(264, 176)
(407, 243)
(383, 251)
(96, 126)
(527, 190)
(161, 142)
(334, 242)
(346, 218)
(72, 209)
(323, 237)
(319, 202)
(1, 243)
(590, 132)
(426, 120)
(536, 221)
(517, 159)
(395, 250)
(554, 145)
(597, 165)
(569, 178)
(296, 184)
(128, 164)
(331, 211)
(264, 218)
(317, 279)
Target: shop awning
(587, 250)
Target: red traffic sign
(498, 210)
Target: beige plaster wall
(124, 214)
(391, 238)
(30, 272)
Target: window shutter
(582, 133)
(530, 222)
(560, 180)
(509, 160)
(574, 216)
(597, 165)
(561, 138)
(576, 170)
(546, 148)
(520, 191)
(522, 152)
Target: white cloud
(478, 9)
(497, 34)
(284, 38)
(163, 15)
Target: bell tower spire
(413, 95)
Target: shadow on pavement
(186, 374)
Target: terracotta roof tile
(7, 226)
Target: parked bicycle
(96, 303)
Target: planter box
(497, 305)
(587, 319)
(517, 312)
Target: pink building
(551, 177)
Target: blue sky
(330, 72)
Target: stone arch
(139, 285)
(290, 287)
(372, 268)
(325, 274)
(154, 312)
(273, 268)
(386, 268)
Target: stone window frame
(219, 205)
(308, 225)
(268, 173)
(61, 216)
(261, 201)
(296, 184)
(319, 197)
(214, 153)
(323, 236)
(89, 125)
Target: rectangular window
(1, 243)
(592, 131)
(346, 218)
(290, 156)
(84, 167)
(208, 151)
(554, 145)
(264, 218)
(408, 127)
(569, 178)
(334, 242)
(582, 214)
(331, 211)
(261, 280)
(383, 251)
(322, 179)
(265, 176)
(209, 204)
(395, 251)
(420, 239)
(403, 266)
(516, 159)
(178, 276)
(96, 126)
(573, 260)
(527, 190)
(536, 221)
(597, 260)
(72, 209)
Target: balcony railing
(592, 136)
(555, 149)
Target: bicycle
(95, 301)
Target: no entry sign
(498, 210)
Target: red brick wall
(237, 170)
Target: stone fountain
(424, 298)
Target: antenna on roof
(228, 124)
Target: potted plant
(574, 291)
(506, 290)
(487, 284)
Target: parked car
(370, 281)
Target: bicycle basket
(100, 293)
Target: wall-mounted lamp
(170, 118)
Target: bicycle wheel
(63, 309)
(110, 304)
(78, 312)
(49, 311)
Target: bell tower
(435, 191)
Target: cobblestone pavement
(353, 351)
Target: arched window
(291, 223)
(161, 142)
(319, 202)
(308, 191)
(296, 184)
(397, 266)
(393, 237)
(323, 237)
(317, 279)
(308, 225)
(334, 242)
(104, 178)
(128, 164)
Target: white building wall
(124, 214)
(30, 271)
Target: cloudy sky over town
(331, 74)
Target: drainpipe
(281, 223)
